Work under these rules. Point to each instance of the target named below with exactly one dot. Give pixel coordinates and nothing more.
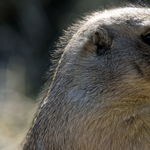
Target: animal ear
(96, 38)
(102, 41)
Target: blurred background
(28, 32)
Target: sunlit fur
(98, 102)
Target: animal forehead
(128, 15)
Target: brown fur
(99, 98)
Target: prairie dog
(99, 98)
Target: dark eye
(146, 38)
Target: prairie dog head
(108, 55)
(99, 98)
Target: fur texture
(99, 98)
